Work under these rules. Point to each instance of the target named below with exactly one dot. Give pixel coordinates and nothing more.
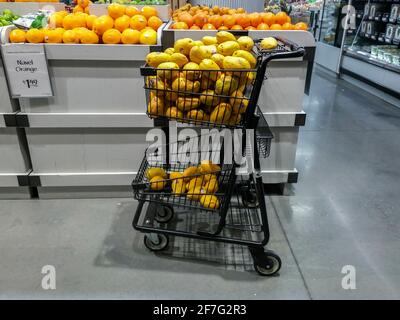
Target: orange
(262, 26)
(80, 19)
(209, 26)
(70, 21)
(89, 37)
(148, 37)
(215, 9)
(287, 26)
(231, 11)
(70, 36)
(122, 23)
(250, 28)
(154, 22)
(289, 19)
(131, 11)
(240, 10)
(281, 17)
(17, 35)
(87, 10)
(255, 19)
(53, 36)
(130, 36)
(34, 36)
(275, 26)
(187, 18)
(55, 21)
(243, 20)
(300, 26)
(223, 28)
(79, 32)
(200, 19)
(60, 30)
(216, 21)
(62, 13)
(194, 27)
(138, 22)
(179, 26)
(237, 27)
(78, 9)
(83, 3)
(111, 36)
(102, 24)
(89, 21)
(229, 21)
(269, 18)
(149, 12)
(116, 10)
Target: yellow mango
(207, 40)
(209, 201)
(191, 75)
(179, 58)
(226, 84)
(223, 36)
(228, 48)
(155, 171)
(209, 99)
(154, 59)
(221, 113)
(186, 104)
(171, 72)
(246, 55)
(183, 46)
(246, 43)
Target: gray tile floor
(343, 211)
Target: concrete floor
(343, 211)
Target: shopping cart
(238, 213)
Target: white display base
(327, 56)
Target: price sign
(27, 71)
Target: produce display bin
(281, 97)
(96, 116)
(30, 7)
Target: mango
(235, 63)
(175, 175)
(218, 59)
(268, 43)
(178, 187)
(199, 53)
(245, 43)
(195, 193)
(186, 104)
(155, 171)
(207, 40)
(238, 102)
(228, 48)
(169, 51)
(183, 46)
(221, 113)
(156, 106)
(198, 43)
(246, 55)
(195, 182)
(207, 166)
(157, 183)
(211, 186)
(226, 84)
(209, 99)
(189, 172)
(173, 112)
(208, 64)
(184, 85)
(154, 59)
(191, 75)
(171, 72)
(179, 58)
(209, 201)
(195, 114)
(223, 36)
(234, 119)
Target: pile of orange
(126, 25)
(224, 18)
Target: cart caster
(156, 241)
(249, 198)
(163, 214)
(267, 263)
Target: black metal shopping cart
(211, 203)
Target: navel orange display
(255, 19)
(148, 37)
(275, 26)
(209, 26)
(237, 27)
(229, 21)
(149, 12)
(243, 20)
(89, 37)
(216, 21)
(187, 18)
(180, 26)
(53, 36)
(287, 26)
(268, 18)
(194, 27)
(70, 36)
(89, 21)
(200, 19)
(300, 26)
(263, 26)
(281, 18)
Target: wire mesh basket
(210, 98)
(264, 135)
(196, 178)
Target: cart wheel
(268, 264)
(249, 198)
(164, 214)
(161, 244)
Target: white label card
(27, 71)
